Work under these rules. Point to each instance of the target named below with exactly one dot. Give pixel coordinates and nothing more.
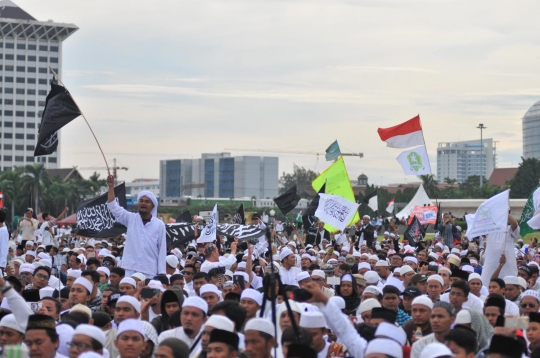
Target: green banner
(526, 215)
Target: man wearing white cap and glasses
(192, 318)
(288, 272)
(130, 339)
(260, 338)
(146, 246)
(86, 338)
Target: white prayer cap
(468, 268)
(261, 325)
(130, 300)
(139, 275)
(27, 268)
(240, 273)
(463, 317)
(312, 320)
(392, 235)
(91, 331)
(435, 350)
(373, 290)
(511, 280)
(474, 262)
(104, 252)
(46, 262)
(129, 281)
(372, 277)
(347, 278)
(365, 254)
(386, 233)
(345, 248)
(31, 253)
(318, 273)
(91, 355)
(532, 293)
(286, 252)
(411, 259)
(387, 330)
(9, 321)
(29, 242)
(362, 265)
(437, 278)
(242, 265)
(463, 253)
(220, 322)
(82, 308)
(405, 269)
(332, 262)
(43, 255)
(374, 257)
(384, 346)
(37, 264)
(455, 251)
(152, 197)
(306, 256)
(252, 294)
(197, 302)
(338, 301)
(157, 285)
(357, 254)
(130, 324)
(522, 282)
(74, 273)
(178, 253)
(382, 263)
(65, 334)
(302, 276)
(46, 292)
(20, 261)
(66, 249)
(209, 288)
(105, 270)
(366, 216)
(443, 268)
(228, 273)
(423, 300)
(85, 283)
(172, 260)
(474, 276)
(276, 257)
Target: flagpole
(82, 114)
(420, 120)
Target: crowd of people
(291, 293)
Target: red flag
(404, 135)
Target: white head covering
(152, 197)
(252, 294)
(91, 331)
(129, 281)
(9, 321)
(220, 322)
(385, 346)
(74, 273)
(196, 302)
(210, 288)
(261, 325)
(436, 349)
(84, 282)
(312, 320)
(105, 270)
(368, 305)
(132, 301)
(46, 292)
(286, 252)
(423, 300)
(130, 325)
(387, 330)
(65, 333)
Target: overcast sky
(172, 79)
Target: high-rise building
(218, 175)
(27, 50)
(460, 160)
(531, 132)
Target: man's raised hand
(110, 180)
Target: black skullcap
(41, 321)
(389, 316)
(101, 319)
(15, 282)
(496, 300)
(222, 336)
(300, 351)
(499, 282)
(505, 346)
(526, 269)
(119, 271)
(534, 317)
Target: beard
(188, 331)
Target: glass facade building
(531, 132)
(460, 160)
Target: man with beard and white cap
(11, 331)
(86, 338)
(192, 318)
(145, 250)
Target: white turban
(152, 197)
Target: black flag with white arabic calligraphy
(239, 217)
(180, 233)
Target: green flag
(333, 152)
(526, 215)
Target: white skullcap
(433, 255)
(27, 268)
(286, 252)
(455, 251)
(463, 253)
(306, 256)
(29, 242)
(531, 293)
(81, 308)
(197, 302)
(384, 346)
(332, 261)
(104, 252)
(129, 281)
(372, 277)
(405, 269)
(43, 255)
(522, 282)
(85, 283)
(46, 292)
(92, 332)
(90, 354)
(437, 278)
(435, 350)
(157, 285)
(443, 268)
(241, 265)
(302, 276)
(130, 325)
(209, 288)
(65, 334)
(357, 254)
(347, 278)
(74, 273)
(387, 330)
(368, 305)
(463, 317)
(411, 259)
(473, 261)
(365, 254)
(261, 325)
(31, 253)
(338, 301)
(511, 280)
(382, 263)
(373, 290)
(468, 268)
(318, 273)
(473, 276)
(9, 321)
(392, 235)
(220, 322)
(374, 257)
(139, 275)
(228, 273)
(37, 264)
(130, 300)
(252, 294)
(46, 262)
(172, 260)
(386, 233)
(105, 270)
(365, 265)
(423, 300)
(312, 320)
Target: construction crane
(114, 168)
(361, 155)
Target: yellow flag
(337, 183)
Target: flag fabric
(288, 200)
(530, 213)
(314, 204)
(60, 109)
(1, 200)
(308, 221)
(180, 233)
(333, 152)
(424, 214)
(239, 217)
(414, 231)
(208, 234)
(185, 217)
(405, 135)
(94, 218)
(337, 183)
(390, 206)
(491, 216)
(438, 221)
(335, 210)
(415, 161)
(371, 200)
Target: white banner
(373, 203)
(208, 234)
(415, 161)
(335, 210)
(534, 222)
(491, 216)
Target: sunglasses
(107, 263)
(531, 305)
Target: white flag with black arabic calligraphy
(209, 232)
(335, 210)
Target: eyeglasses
(530, 304)
(107, 263)
(38, 275)
(78, 345)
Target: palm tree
(10, 187)
(34, 180)
(94, 184)
(430, 185)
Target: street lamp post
(481, 127)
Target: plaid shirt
(402, 317)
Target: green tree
(10, 187)
(94, 184)
(526, 178)
(34, 180)
(430, 185)
(300, 176)
(448, 180)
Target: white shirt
(511, 308)
(324, 352)
(46, 234)
(179, 333)
(288, 277)
(145, 248)
(473, 301)
(226, 262)
(4, 239)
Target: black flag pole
(82, 114)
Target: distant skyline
(178, 78)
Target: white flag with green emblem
(415, 161)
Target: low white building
(136, 186)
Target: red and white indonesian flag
(390, 207)
(405, 135)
